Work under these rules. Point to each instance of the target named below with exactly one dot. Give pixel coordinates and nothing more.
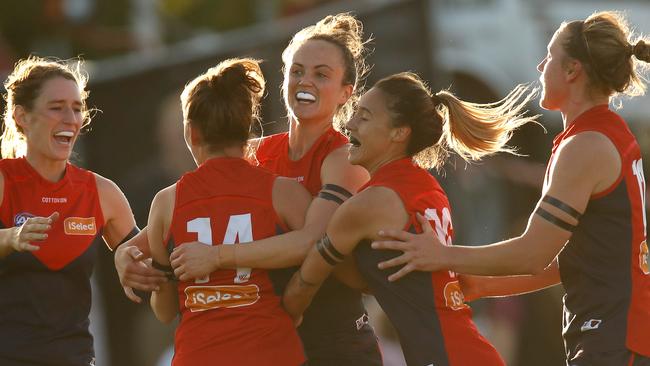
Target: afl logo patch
(80, 226)
(643, 258)
(20, 218)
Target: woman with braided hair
(588, 230)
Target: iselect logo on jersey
(201, 298)
(80, 226)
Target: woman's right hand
(34, 229)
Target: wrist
(226, 256)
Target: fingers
(135, 253)
(401, 273)
(389, 244)
(393, 262)
(424, 222)
(26, 247)
(53, 217)
(131, 295)
(395, 234)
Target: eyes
(298, 72)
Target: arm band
(128, 237)
(330, 197)
(323, 246)
(338, 189)
(554, 220)
(168, 270)
(562, 206)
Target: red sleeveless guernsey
(604, 265)
(233, 317)
(45, 295)
(427, 309)
(273, 154)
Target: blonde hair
(604, 44)
(346, 32)
(23, 87)
(224, 102)
(441, 122)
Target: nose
(350, 124)
(71, 116)
(540, 66)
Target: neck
(576, 106)
(50, 170)
(302, 136)
(205, 153)
(374, 166)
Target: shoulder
(337, 169)
(374, 206)
(588, 148)
(106, 187)
(587, 162)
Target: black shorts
(611, 358)
(356, 347)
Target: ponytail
(475, 130)
(441, 122)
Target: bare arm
(278, 251)
(357, 219)
(118, 218)
(164, 302)
(476, 287)
(574, 177)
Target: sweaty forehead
(317, 52)
(59, 88)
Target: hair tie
(438, 100)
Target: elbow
(165, 318)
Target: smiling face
(373, 139)
(52, 125)
(553, 77)
(313, 82)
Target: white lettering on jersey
(442, 226)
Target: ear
(401, 134)
(20, 116)
(346, 94)
(195, 135)
(572, 70)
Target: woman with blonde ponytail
(399, 129)
(588, 230)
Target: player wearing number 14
(232, 316)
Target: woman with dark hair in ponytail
(588, 230)
(399, 129)
(230, 316)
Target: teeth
(64, 134)
(305, 96)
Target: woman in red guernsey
(53, 217)
(229, 317)
(589, 228)
(323, 66)
(399, 129)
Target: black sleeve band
(320, 246)
(562, 206)
(338, 189)
(128, 237)
(330, 197)
(330, 248)
(168, 270)
(554, 220)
